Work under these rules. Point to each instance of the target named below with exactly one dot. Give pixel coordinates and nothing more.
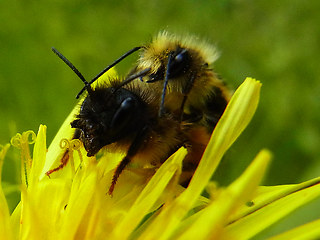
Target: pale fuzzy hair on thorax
(165, 40)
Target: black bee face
(107, 116)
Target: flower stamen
(22, 142)
(69, 146)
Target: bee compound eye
(180, 62)
(123, 114)
(181, 56)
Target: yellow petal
(3, 152)
(39, 156)
(15, 219)
(5, 227)
(42, 209)
(262, 218)
(78, 203)
(268, 194)
(307, 231)
(233, 121)
(212, 219)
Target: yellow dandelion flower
(73, 204)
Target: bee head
(178, 63)
(107, 116)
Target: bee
(124, 118)
(180, 70)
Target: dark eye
(124, 114)
(180, 63)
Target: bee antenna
(133, 77)
(74, 69)
(110, 66)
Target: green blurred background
(276, 42)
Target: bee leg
(185, 92)
(63, 162)
(125, 161)
(165, 83)
(133, 149)
(185, 97)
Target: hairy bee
(180, 70)
(125, 119)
